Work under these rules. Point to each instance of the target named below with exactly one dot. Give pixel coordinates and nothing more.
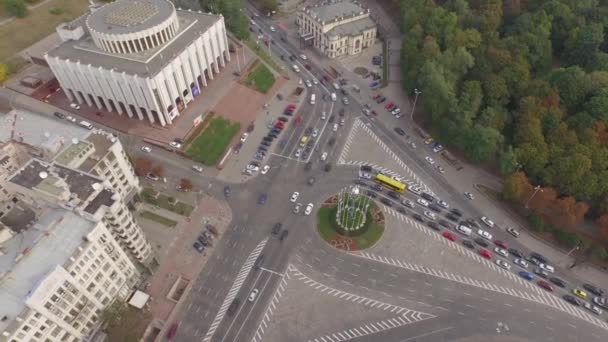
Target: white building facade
(143, 58)
(337, 28)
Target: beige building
(337, 28)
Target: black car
(433, 225)
(570, 299)
(259, 261)
(283, 119)
(283, 235)
(451, 217)
(418, 217)
(262, 148)
(365, 168)
(272, 135)
(327, 167)
(541, 273)
(468, 244)
(265, 143)
(292, 58)
(233, 306)
(402, 210)
(482, 242)
(331, 142)
(308, 166)
(199, 247)
(456, 212)
(539, 257)
(279, 96)
(308, 130)
(59, 115)
(359, 182)
(427, 197)
(263, 199)
(227, 191)
(399, 131)
(445, 223)
(371, 194)
(434, 207)
(386, 202)
(377, 187)
(255, 163)
(332, 119)
(558, 282)
(394, 195)
(471, 223)
(267, 139)
(276, 228)
(275, 131)
(593, 289)
(514, 252)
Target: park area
(209, 146)
(260, 79)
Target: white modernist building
(337, 28)
(141, 58)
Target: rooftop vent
(43, 174)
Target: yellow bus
(390, 183)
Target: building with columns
(140, 58)
(337, 28)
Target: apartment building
(57, 276)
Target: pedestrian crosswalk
(234, 290)
(407, 174)
(273, 304)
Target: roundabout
(350, 221)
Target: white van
(313, 99)
(464, 230)
(86, 124)
(334, 97)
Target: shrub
(16, 8)
(536, 222)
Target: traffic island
(350, 221)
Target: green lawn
(260, 50)
(209, 146)
(363, 241)
(163, 201)
(158, 219)
(260, 79)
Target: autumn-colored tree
(185, 184)
(568, 212)
(158, 171)
(602, 221)
(543, 201)
(142, 166)
(517, 188)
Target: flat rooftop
(352, 28)
(328, 11)
(19, 218)
(79, 183)
(146, 63)
(73, 151)
(130, 16)
(32, 254)
(104, 198)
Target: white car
(503, 264)
(298, 153)
(502, 252)
(272, 29)
(197, 168)
(521, 262)
(345, 100)
(335, 128)
(429, 215)
(70, 118)
(253, 295)
(175, 144)
(294, 196)
(296, 209)
(547, 268)
(437, 148)
(429, 160)
(324, 156)
(323, 115)
(487, 221)
(315, 132)
(414, 189)
(422, 202)
(413, 145)
(469, 195)
(315, 81)
(300, 80)
(513, 232)
(366, 175)
(244, 136)
(396, 111)
(443, 204)
(308, 83)
(407, 203)
(593, 308)
(146, 149)
(74, 106)
(484, 234)
(265, 169)
(308, 209)
(303, 56)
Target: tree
(584, 43)
(142, 166)
(16, 8)
(517, 188)
(158, 171)
(4, 72)
(508, 162)
(268, 5)
(597, 106)
(572, 84)
(483, 143)
(185, 184)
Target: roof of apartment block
(329, 11)
(352, 28)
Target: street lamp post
(536, 189)
(416, 92)
(575, 248)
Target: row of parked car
(205, 238)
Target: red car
(375, 97)
(291, 107)
(545, 285)
(280, 125)
(501, 244)
(485, 254)
(389, 106)
(449, 236)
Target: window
(26, 328)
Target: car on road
(547, 268)
(399, 131)
(311, 181)
(443, 204)
(146, 149)
(412, 145)
(315, 132)
(298, 153)
(502, 252)
(371, 194)
(308, 209)
(594, 289)
(434, 207)
(440, 169)
(198, 246)
(303, 56)
(402, 210)
(276, 229)
(430, 215)
(233, 306)
(594, 309)
(485, 253)
(345, 101)
(415, 189)
(520, 262)
(451, 217)
(526, 275)
(601, 301)
(558, 282)
(394, 195)
(296, 209)
(483, 243)
(516, 253)
(152, 176)
(468, 244)
(175, 144)
(323, 115)
(428, 197)
(541, 273)
(406, 202)
(445, 223)
(265, 169)
(512, 231)
(430, 224)
(327, 167)
(244, 136)
(429, 160)
(342, 122)
(422, 202)
(294, 196)
(418, 218)
(503, 264)
(545, 285)
(254, 294)
(449, 236)
(389, 106)
(227, 191)
(501, 244)
(308, 84)
(469, 195)
(572, 300)
(324, 156)
(283, 235)
(74, 106)
(334, 128)
(579, 293)
(263, 199)
(272, 29)
(484, 234)
(487, 221)
(386, 202)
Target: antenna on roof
(43, 174)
